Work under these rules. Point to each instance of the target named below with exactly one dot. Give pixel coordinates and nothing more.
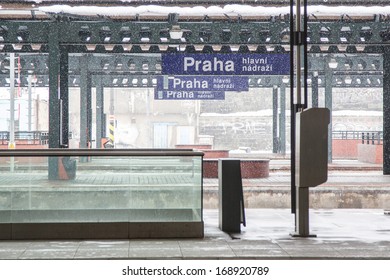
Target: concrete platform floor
(341, 234)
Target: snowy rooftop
(232, 10)
(200, 2)
(243, 10)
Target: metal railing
(25, 137)
(373, 137)
(367, 137)
(41, 137)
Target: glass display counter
(100, 194)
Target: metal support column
(11, 143)
(302, 213)
(314, 90)
(298, 85)
(99, 112)
(328, 104)
(54, 97)
(111, 125)
(85, 104)
(89, 111)
(298, 64)
(282, 119)
(386, 111)
(64, 99)
(293, 108)
(54, 100)
(29, 108)
(275, 141)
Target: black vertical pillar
(314, 90)
(54, 100)
(293, 109)
(275, 145)
(386, 110)
(64, 98)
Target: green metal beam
(339, 80)
(114, 36)
(99, 112)
(64, 97)
(54, 60)
(329, 104)
(54, 99)
(275, 142)
(151, 63)
(130, 70)
(386, 113)
(85, 104)
(282, 119)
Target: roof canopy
(146, 9)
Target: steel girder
(137, 36)
(350, 70)
(339, 80)
(151, 63)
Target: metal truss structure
(65, 50)
(272, 35)
(137, 70)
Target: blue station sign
(225, 64)
(188, 95)
(203, 83)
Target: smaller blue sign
(203, 83)
(188, 95)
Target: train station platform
(341, 234)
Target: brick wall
(345, 148)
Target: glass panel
(101, 189)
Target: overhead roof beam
(213, 33)
(151, 64)
(339, 80)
